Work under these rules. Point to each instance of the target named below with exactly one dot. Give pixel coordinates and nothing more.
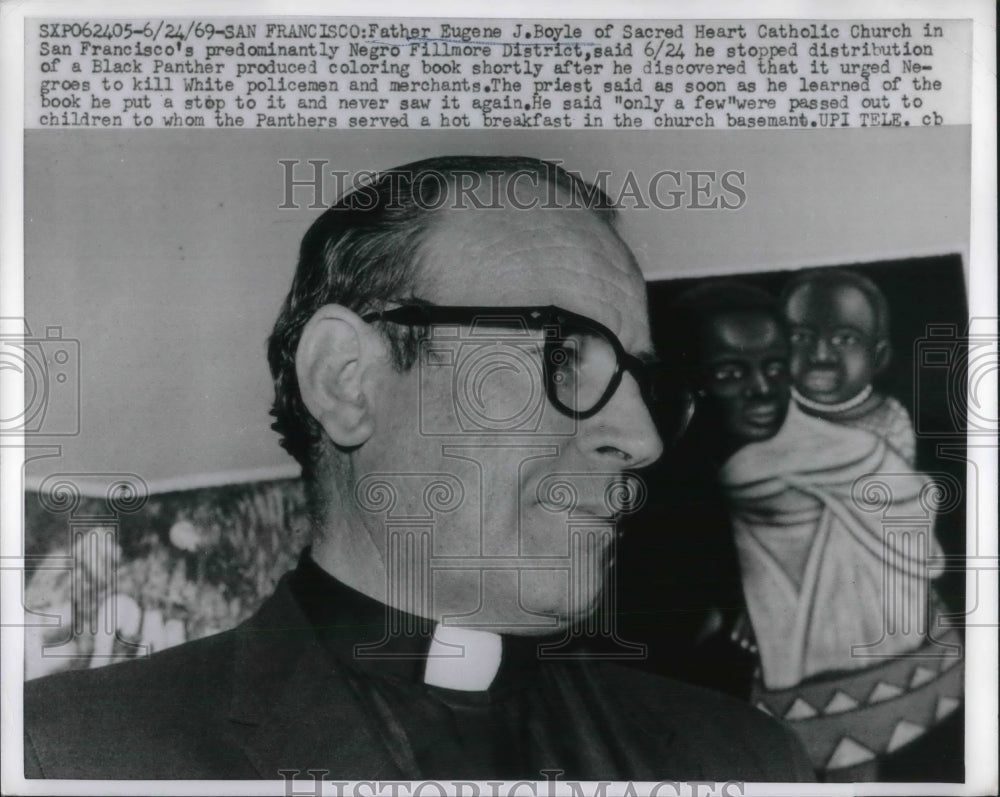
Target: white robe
(833, 531)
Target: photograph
(549, 452)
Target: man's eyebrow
(648, 356)
(850, 328)
(728, 359)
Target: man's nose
(623, 434)
(758, 384)
(823, 352)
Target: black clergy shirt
(288, 691)
(536, 716)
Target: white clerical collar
(463, 659)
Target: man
(460, 368)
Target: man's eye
(800, 336)
(727, 373)
(845, 339)
(564, 356)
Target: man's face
(834, 338)
(510, 553)
(744, 359)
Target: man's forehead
(563, 256)
(744, 330)
(832, 303)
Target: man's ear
(333, 354)
(883, 354)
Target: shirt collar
(381, 641)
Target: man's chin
(832, 395)
(566, 602)
(585, 614)
(820, 381)
(819, 398)
(758, 433)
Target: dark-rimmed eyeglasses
(583, 362)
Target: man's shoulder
(186, 711)
(721, 732)
(105, 719)
(655, 693)
(172, 668)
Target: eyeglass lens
(582, 365)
